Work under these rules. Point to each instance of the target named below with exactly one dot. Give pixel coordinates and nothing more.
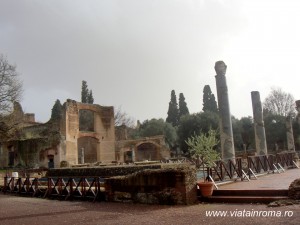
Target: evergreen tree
(155, 127)
(195, 124)
(209, 100)
(84, 92)
(90, 98)
(173, 110)
(56, 110)
(183, 109)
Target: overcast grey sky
(132, 53)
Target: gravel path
(25, 210)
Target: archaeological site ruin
(82, 134)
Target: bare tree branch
(10, 92)
(279, 102)
(121, 118)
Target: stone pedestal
(226, 134)
(259, 127)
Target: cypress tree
(173, 110)
(209, 100)
(183, 109)
(56, 110)
(84, 92)
(90, 98)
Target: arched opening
(50, 161)
(11, 156)
(147, 151)
(87, 149)
(86, 120)
(128, 156)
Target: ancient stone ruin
(226, 134)
(82, 134)
(259, 127)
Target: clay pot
(206, 188)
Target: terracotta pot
(206, 188)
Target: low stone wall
(294, 189)
(106, 171)
(162, 186)
(164, 183)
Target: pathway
(269, 181)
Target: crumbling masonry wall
(163, 186)
(99, 144)
(49, 144)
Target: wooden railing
(84, 188)
(25, 186)
(239, 167)
(94, 188)
(61, 188)
(224, 169)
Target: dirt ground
(26, 210)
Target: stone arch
(86, 120)
(87, 146)
(148, 150)
(105, 113)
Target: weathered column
(82, 156)
(289, 134)
(259, 127)
(296, 157)
(227, 145)
(133, 154)
(298, 109)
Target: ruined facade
(130, 149)
(63, 140)
(81, 134)
(142, 149)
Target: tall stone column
(296, 157)
(227, 145)
(259, 127)
(298, 109)
(289, 134)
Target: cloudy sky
(132, 53)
